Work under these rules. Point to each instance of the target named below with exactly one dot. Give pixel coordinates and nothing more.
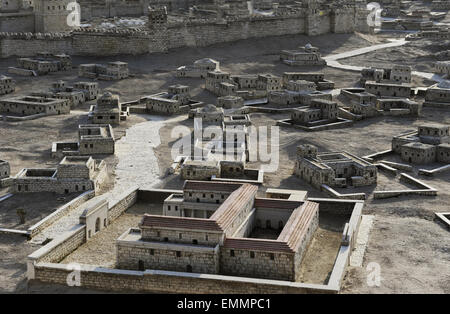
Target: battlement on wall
(188, 21)
(137, 32)
(30, 36)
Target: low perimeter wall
(93, 277)
(60, 212)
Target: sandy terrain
(412, 249)
(36, 206)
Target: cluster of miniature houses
(305, 96)
(77, 171)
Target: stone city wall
(27, 44)
(199, 34)
(184, 34)
(109, 43)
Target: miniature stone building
(108, 110)
(442, 67)
(317, 78)
(440, 5)
(307, 55)
(439, 34)
(208, 113)
(268, 82)
(297, 92)
(176, 100)
(247, 86)
(226, 142)
(213, 227)
(256, 86)
(428, 144)
(73, 174)
(4, 169)
(89, 89)
(398, 73)
(337, 169)
(42, 64)
(387, 89)
(78, 94)
(365, 105)
(199, 69)
(226, 170)
(411, 21)
(92, 140)
(199, 169)
(59, 91)
(51, 15)
(443, 153)
(116, 70)
(438, 95)
(320, 111)
(7, 85)
(396, 106)
(219, 83)
(301, 86)
(359, 102)
(418, 153)
(236, 120)
(33, 105)
(230, 102)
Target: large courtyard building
(222, 228)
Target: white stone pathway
(137, 166)
(332, 60)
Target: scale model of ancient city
(225, 146)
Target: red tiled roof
(289, 239)
(222, 218)
(276, 203)
(211, 186)
(297, 226)
(233, 205)
(179, 223)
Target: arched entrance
(97, 224)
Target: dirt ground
(420, 55)
(410, 246)
(101, 250)
(36, 206)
